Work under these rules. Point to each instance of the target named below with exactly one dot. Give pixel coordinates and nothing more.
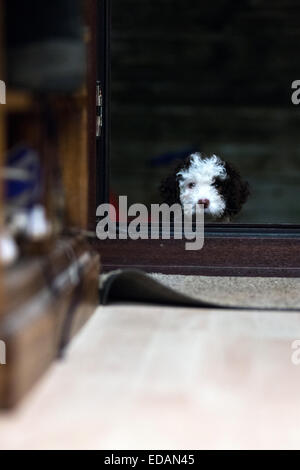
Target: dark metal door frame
(256, 249)
(103, 79)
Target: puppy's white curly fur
(196, 183)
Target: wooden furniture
(56, 295)
(52, 290)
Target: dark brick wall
(211, 75)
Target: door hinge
(99, 109)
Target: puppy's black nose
(205, 202)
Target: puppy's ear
(169, 189)
(235, 191)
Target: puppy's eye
(217, 183)
(191, 185)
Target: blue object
(23, 182)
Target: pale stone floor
(151, 377)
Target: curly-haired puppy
(209, 181)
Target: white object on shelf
(38, 226)
(9, 250)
